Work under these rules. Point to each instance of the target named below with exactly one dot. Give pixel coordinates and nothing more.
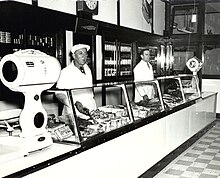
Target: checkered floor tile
(201, 160)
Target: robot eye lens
(10, 71)
(39, 120)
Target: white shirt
(143, 71)
(72, 78)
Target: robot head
(29, 70)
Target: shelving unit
(125, 58)
(117, 61)
(14, 41)
(110, 59)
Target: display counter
(123, 138)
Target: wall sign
(86, 26)
(137, 14)
(147, 11)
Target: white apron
(80, 85)
(143, 72)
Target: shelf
(11, 45)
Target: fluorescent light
(194, 18)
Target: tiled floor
(201, 160)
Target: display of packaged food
(143, 113)
(60, 132)
(135, 112)
(112, 108)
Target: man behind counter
(77, 75)
(143, 71)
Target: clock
(89, 6)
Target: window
(185, 19)
(212, 18)
(181, 55)
(211, 60)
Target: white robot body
(31, 72)
(33, 117)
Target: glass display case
(82, 118)
(113, 106)
(190, 86)
(178, 89)
(171, 91)
(147, 99)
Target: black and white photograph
(110, 88)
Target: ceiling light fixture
(194, 15)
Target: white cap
(79, 46)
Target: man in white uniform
(77, 75)
(143, 71)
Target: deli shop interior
(110, 88)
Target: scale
(30, 72)
(194, 64)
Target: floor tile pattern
(201, 160)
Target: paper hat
(79, 46)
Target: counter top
(207, 94)
(33, 159)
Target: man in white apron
(77, 76)
(143, 71)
